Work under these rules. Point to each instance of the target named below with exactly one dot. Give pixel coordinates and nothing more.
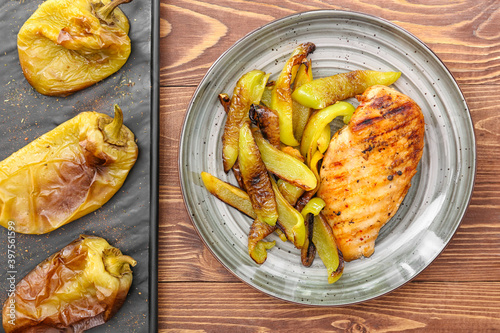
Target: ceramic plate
(431, 211)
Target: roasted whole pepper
(68, 45)
(281, 95)
(256, 178)
(248, 91)
(66, 173)
(322, 92)
(80, 287)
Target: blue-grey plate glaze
(431, 211)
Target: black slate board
(129, 220)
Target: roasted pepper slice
(235, 197)
(304, 198)
(322, 92)
(324, 139)
(308, 251)
(80, 287)
(311, 209)
(327, 249)
(68, 45)
(284, 165)
(290, 221)
(66, 173)
(248, 91)
(301, 113)
(257, 248)
(256, 178)
(291, 192)
(316, 124)
(228, 193)
(281, 95)
(267, 121)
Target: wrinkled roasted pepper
(248, 91)
(80, 287)
(281, 95)
(68, 45)
(256, 178)
(267, 121)
(66, 173)
(322, 92)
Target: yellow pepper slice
(228, 193)
(301, 113)
(281, 95)
(316, 125)
(291, 192)
(290, 221)
(256, 177)
(257, 248)
(322, 92)
(314, 206)
(324, 139)
(248, 91)
(326, 247)
(284, 165)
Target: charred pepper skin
(66, 173)
(68, 45)
(80, 287)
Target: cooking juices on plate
(326, 194)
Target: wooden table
(458, 292)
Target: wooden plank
(415, 307)
(195, 33)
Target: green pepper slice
(322, 92)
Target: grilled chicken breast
(367, 169)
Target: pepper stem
(106, 10)
(112, 131)
(117, 263)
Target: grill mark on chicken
(368, 167)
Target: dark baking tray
(129, 220)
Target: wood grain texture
(458, 292)
(464, 33)
(418, 307)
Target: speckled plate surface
(430, 213)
